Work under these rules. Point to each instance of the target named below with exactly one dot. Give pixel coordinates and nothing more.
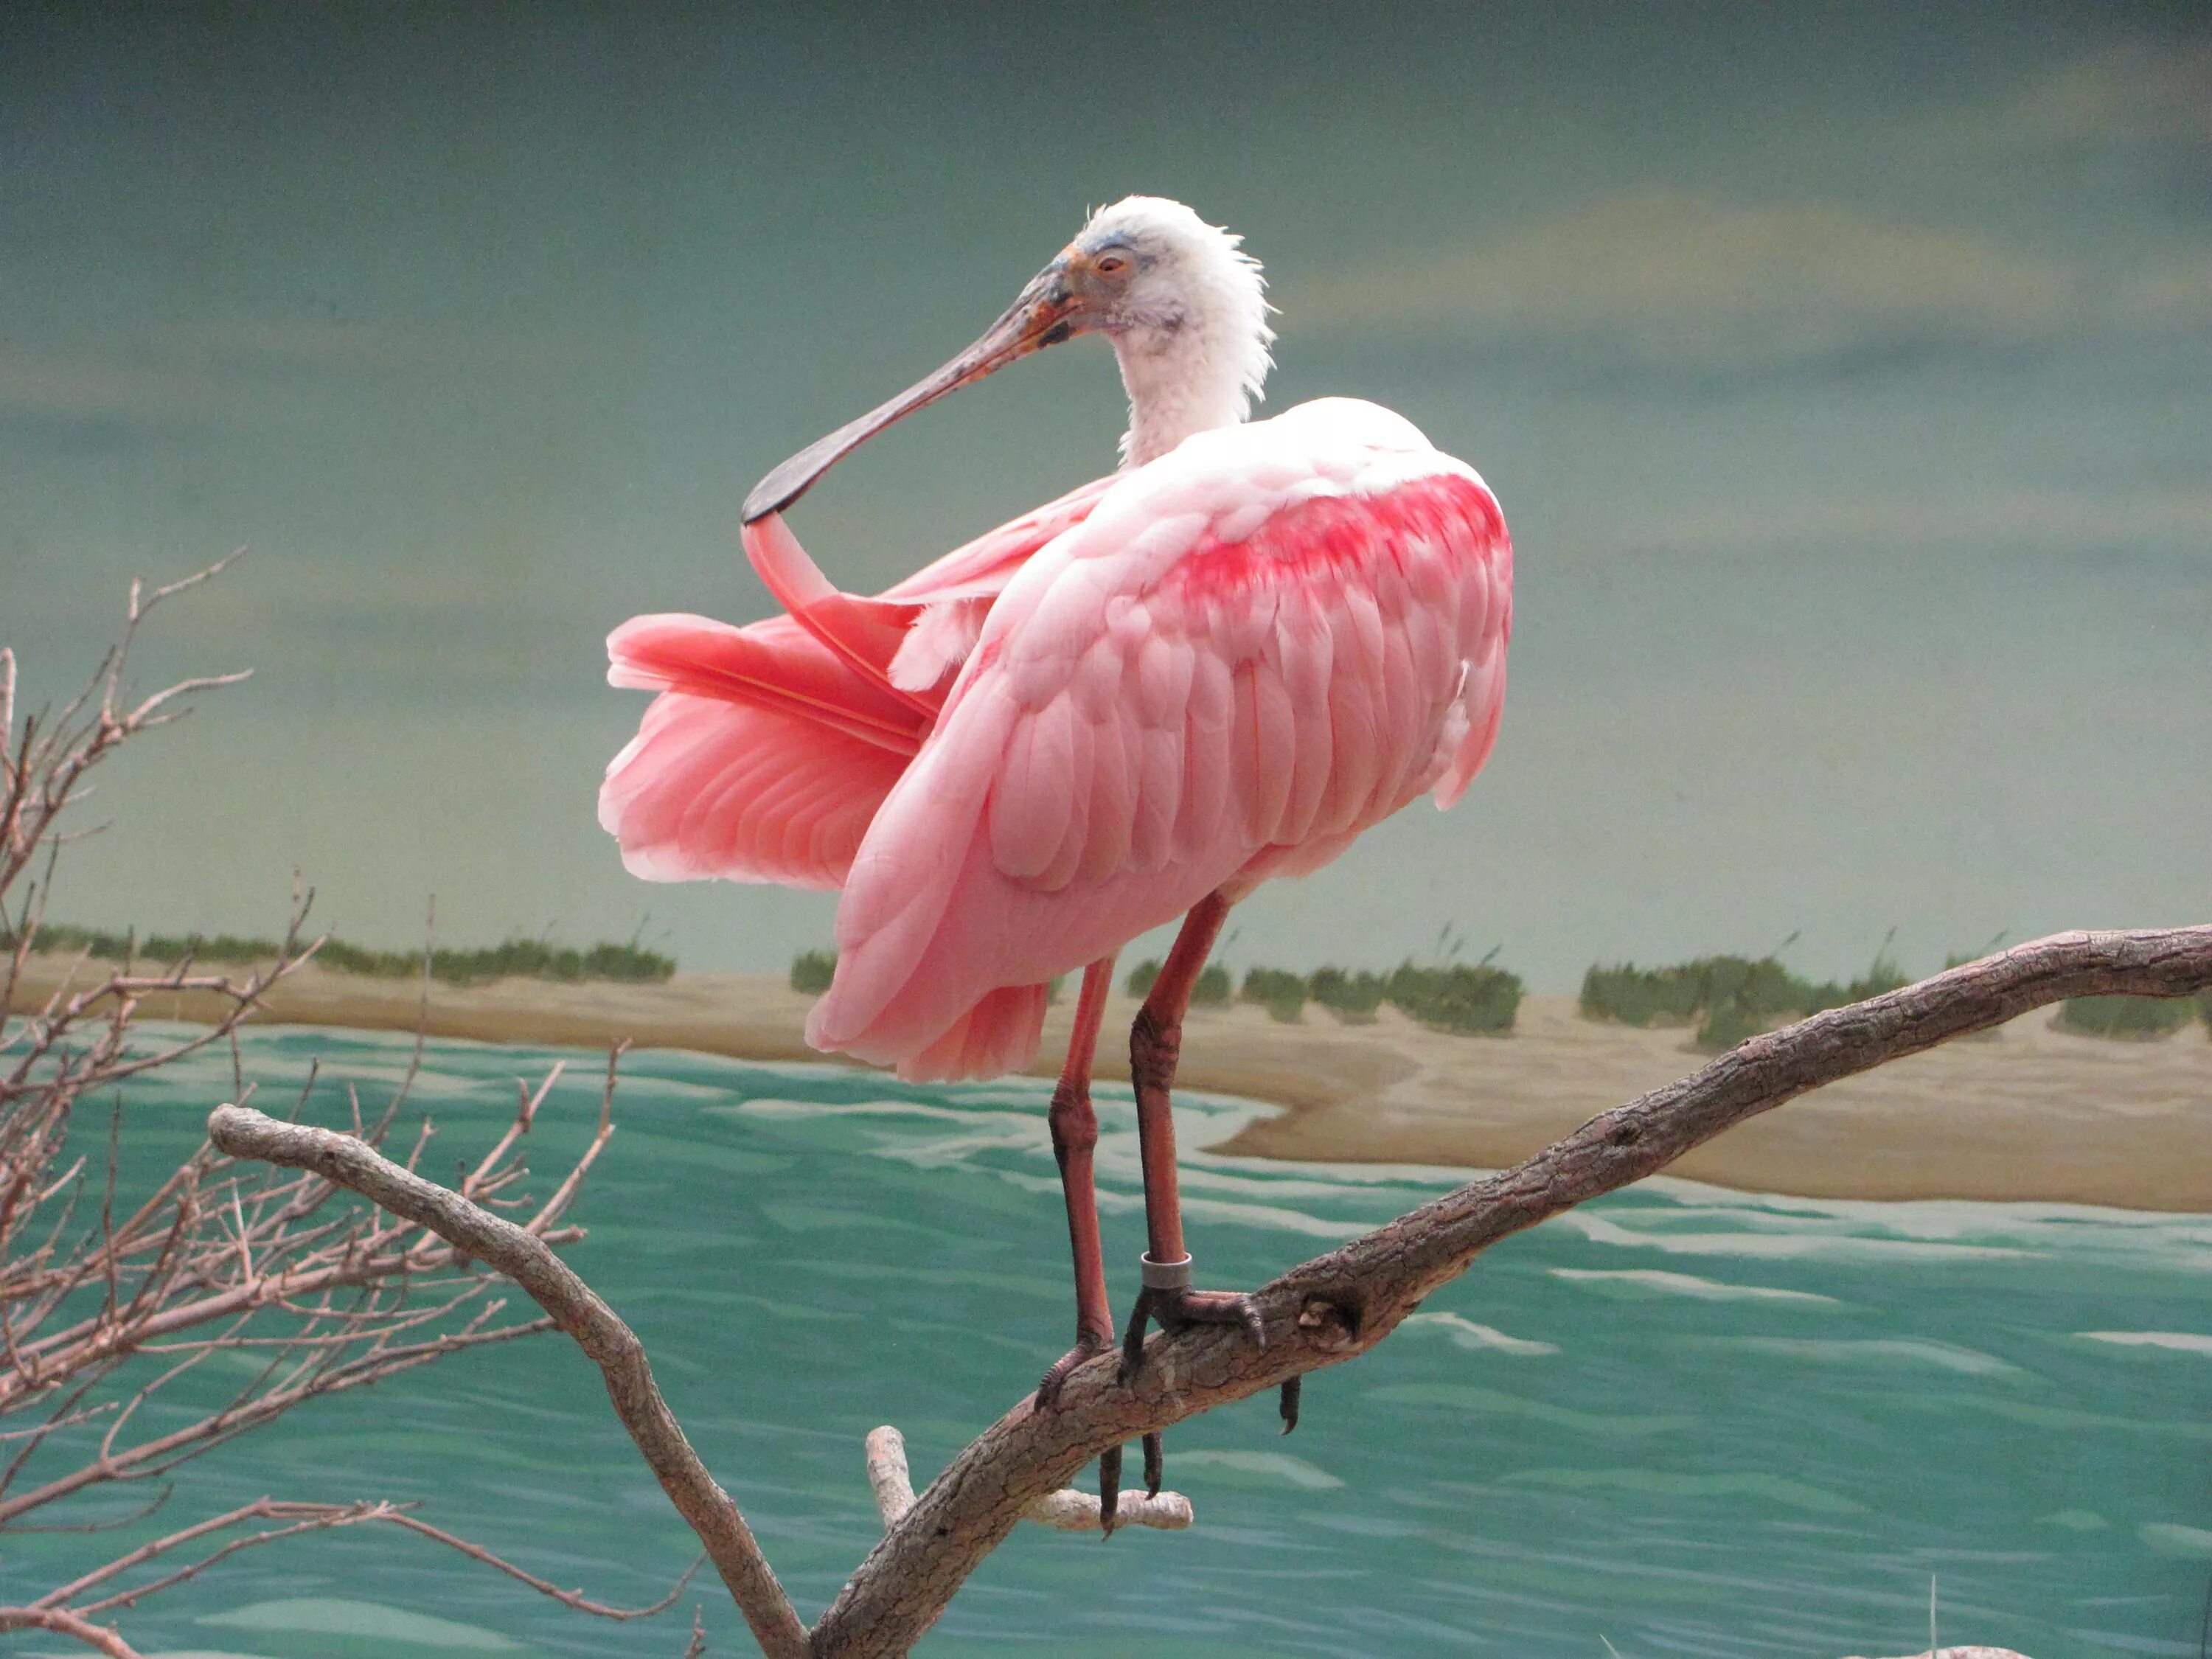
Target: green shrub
(1352, 998)
(1729, 998)
(1726, 1024)
(630, 963)
(1142, 978)
(1643, 996)
(1281, 992)
(813, 970)
(1480, 1001)
(1882, 975)
(2204, 1007)
(2131, 1019)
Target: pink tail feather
(999, 1034)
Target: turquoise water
(1679, 1421)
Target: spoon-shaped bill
(1046, 313)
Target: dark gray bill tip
(795, 477)
(779, 489)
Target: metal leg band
(1165, 1275)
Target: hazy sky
(1845, 372)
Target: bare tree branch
(335, 1286)
(524, 1257)
(100, 1316)
(1321, 1313)
(1340, 1304)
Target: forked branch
(106, 1303)
(525, 1257)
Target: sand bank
(2028, 1113)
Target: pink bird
(1138, 703)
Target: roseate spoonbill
(1217, 666)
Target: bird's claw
(1109, 1489)
(1088, 1345)
(1288, 1404)
(1110, 1479)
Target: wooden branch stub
(1067, 1509)
(1072, 1510)
(887, 1473)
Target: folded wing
(1224, 675)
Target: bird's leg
(1074, 1140)
(1155, 1044)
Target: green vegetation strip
(1732, 998)
(519, 958)
(1480, 1001)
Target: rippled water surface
(1679, 1421)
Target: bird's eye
(1110, 265)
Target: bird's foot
(1167, 1299)
(1088, 1345)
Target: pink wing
(771, 746)
(1262, 645)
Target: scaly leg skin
(1155, 1044)
(1074, 1140)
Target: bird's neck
(1182, 379)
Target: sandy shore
(2027, 1114)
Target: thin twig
(62, 1622)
